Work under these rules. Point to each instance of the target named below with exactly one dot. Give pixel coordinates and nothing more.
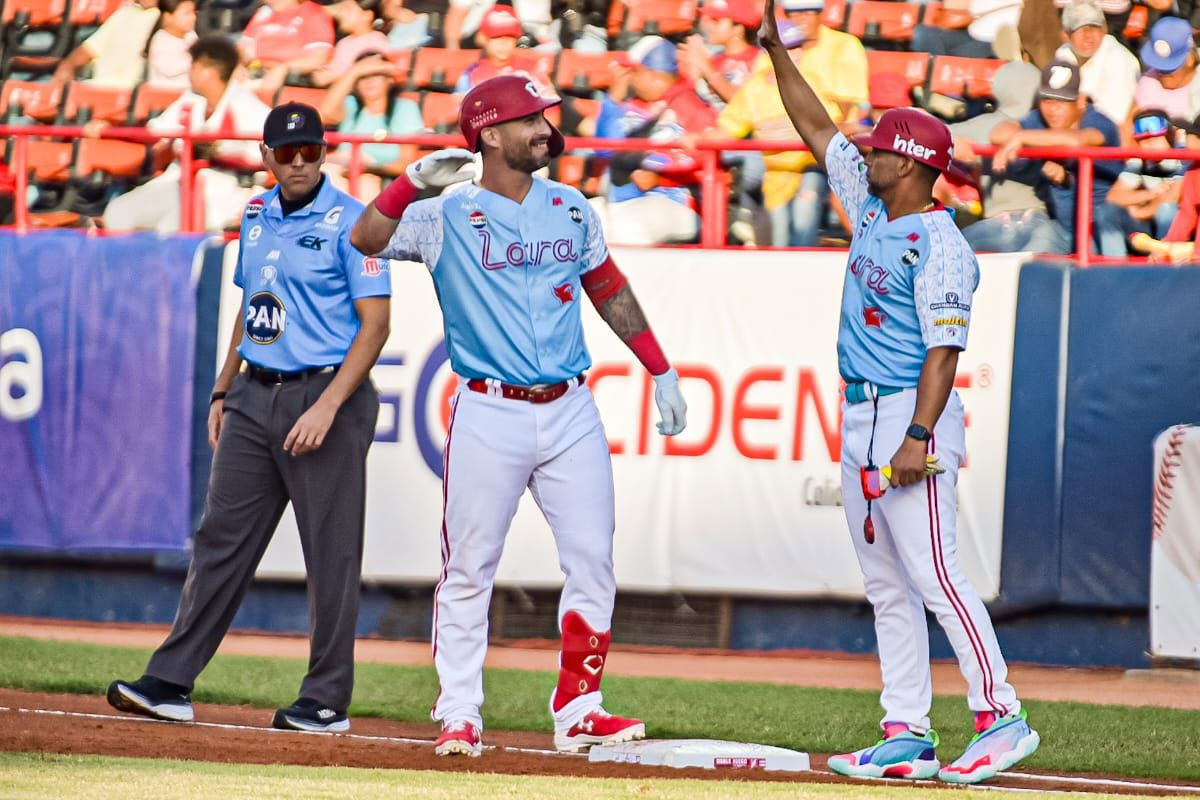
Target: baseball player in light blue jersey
(906, 312)
(294, 425)
(511, 258)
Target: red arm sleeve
(604, 283)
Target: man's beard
(522, 159)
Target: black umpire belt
(270, 377)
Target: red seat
(963, 77)
(402, 61)
(92, 12)
(435, 68)
(300, 94)
(912, 66)
(439, 112)
(662, 17)
(267, 96)
(587, 71)
(110, 156)
(42, 13)
(150, 101)
(41, 101)
(895, 20)
(104, 103)
(537, 63)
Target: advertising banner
(747, 500)
(96, 358)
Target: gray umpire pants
(251, 483)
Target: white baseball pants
(913, 565)
(495, 448)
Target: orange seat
(150, 101)
(42, 13)
(1135, 26)
(92, 12)
(536, 63)
(912, 66)
(103, 103)
(439, 112)
(963, 77)
(587, 71)
(50, 161)
(662, 17)
(834, 14)
(41, 101)
(402, 61)
(571, 170)
(300, 94)
(436, 68)
(110, 156)
(893, 21)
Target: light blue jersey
(300, 277)
(908, 283)
(507, 276)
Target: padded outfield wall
(1068, 376)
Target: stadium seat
(914, 67)
(39, 101)
(439, 111)
(111, 157)
(587, 72)
(963, 77)
(150, 101)
(571, 170)
(537, 63)
(834, 14)
(86, 101)
(402, 61)
(37, 13)
(1135, 26)
(267, 96)
(438, 69)
(645, 17)
(300, 94)
(883, 20)
(86, 13)
(49, 162)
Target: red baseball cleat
(459, 739)
(598, 727)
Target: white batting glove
(671, 406)
(443, 168)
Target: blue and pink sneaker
(999, 742)
(899, 754)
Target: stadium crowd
(1004, 73)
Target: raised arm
(803, 106)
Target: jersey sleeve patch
(943, 287)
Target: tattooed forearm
(624, 315)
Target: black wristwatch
(918, 432)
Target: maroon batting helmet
(501, 99)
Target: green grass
(1135, 742)
(34, 777)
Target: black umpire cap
(293, 123)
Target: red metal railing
(714, 180)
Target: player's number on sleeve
(20, 375)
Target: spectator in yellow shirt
(835, 65)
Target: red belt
(542, 393)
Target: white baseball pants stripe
(495, 448)
(912, 565)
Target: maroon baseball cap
(500, 99)
(913, 133)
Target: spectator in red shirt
(730, 25)
(1184, 233)
(498, 35)
(285, 38)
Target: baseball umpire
(294, 425)
(906, 309)
(510, 259)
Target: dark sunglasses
(287, 153)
